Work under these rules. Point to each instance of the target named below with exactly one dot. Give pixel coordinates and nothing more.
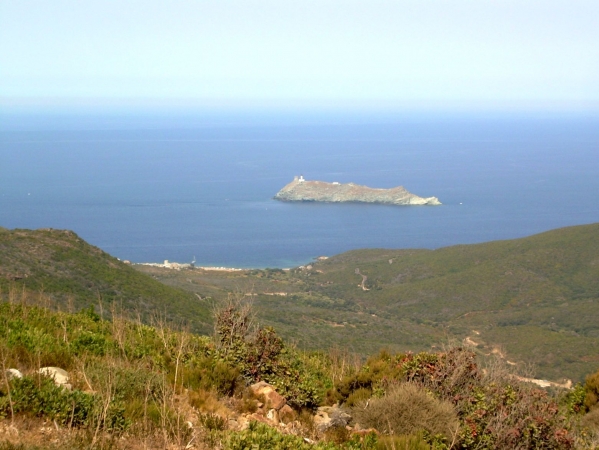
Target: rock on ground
(272, 398)
(60, 376)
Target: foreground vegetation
(141, 386)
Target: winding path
(364, 278)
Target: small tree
(259, 353)
(255, 350)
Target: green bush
(358, 396)
(45, 399)
(378, 372)
(259, 436)
(261, 355)
(573, 400)
(126, 382)
(89, 342)
(209, 373)
(213, 422)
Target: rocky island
(301, 190)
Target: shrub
(261, 355)
(358, 396)
(73, 408)
(591, 388)
(407, 409)
(205, 401)
(247, 403)
(261, 436)
(125, 383)
(212, 422)
(573, 400)
(88, 342)
(591, 421)
(378, 372)
(451, 375)
(209, 373)
(255, 351)
(493, 409)
(57, 357)
(337, 434)
(589, 434)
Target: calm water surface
(167, 189)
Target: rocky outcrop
(60, 376)
(272, 409)
(13, 373)
(272, 398)
(300, 190)
(331, 416)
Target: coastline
(178, 266)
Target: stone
(273, 399)
(260, 418)
(60, 376)
(331, 416)
(322, 421)
(13, 373)
(273, 416)
(287, 414)
(239, 423)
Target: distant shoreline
(178, 266)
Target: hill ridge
(67, 269)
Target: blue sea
(152, 187)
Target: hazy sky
(331, 52)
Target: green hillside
(536, 299)
(57, 267)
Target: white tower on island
(301, 179)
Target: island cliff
(300, 190)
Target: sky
(344, 53)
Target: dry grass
(30, 433)
(407, 409)
(410, 442)
(591, 420)
(206, 401)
